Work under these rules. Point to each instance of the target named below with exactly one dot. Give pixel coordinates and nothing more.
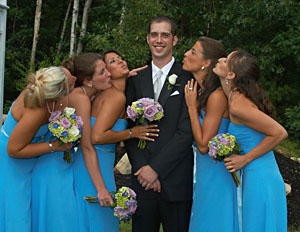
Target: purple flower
(79, 122)
(55, 125)
(220, 136)
(214, 143)
(213, 152)
(73, 116)
(125, 194)
(65, 123)
(146, 101)
(131, 192)
(140, 105)
(131, 114)
(220, 147)
(149, 112)
(225, 142)
(64, 134)
(127, 203)
(55, 116)
(120, 211)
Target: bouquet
(125, 203)
(66, 127)
(143, 111)
(222, 146)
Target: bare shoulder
(113, 95)
(217, 97)
(240, 106)
(78, 98)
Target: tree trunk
(73, 28)
(87, 6)
(64, 28)
(37, 20)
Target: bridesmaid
(214, 199)
(54, 205)
(263, 190)
(109, 127)
(21, 142)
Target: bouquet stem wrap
(236, 179)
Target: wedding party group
(199, 137)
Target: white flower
(172, 79)
(69, 110)
(74, 131)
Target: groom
(168, 161)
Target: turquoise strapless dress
(263, 190)
(15, 182)
(214, 199)
(93, 217)
(54, 205)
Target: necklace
(53, 105)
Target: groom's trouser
(174, 216)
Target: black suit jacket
(170, 155)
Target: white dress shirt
(165, 70)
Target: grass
(290, 148)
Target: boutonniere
(172, 81)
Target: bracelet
(130, 133)
(51, 147)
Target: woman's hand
(105, 198)
(134, 72)
(145, 132)
(190, 91)
(235, 162)
(62, 147)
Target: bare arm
(19, 144)
(215, 109)
(243, 111)
(82, 105)
(113, 104)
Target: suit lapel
(165, 92)
(146, 83)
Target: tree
(64, 28)
(73, 27)
(87, 6)
(37, 20)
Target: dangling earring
(202, 68)
(91, 86)
(226, 82)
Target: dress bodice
(121, 124)
(248, 139)
(223, 125)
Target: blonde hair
(47, 84)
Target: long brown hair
(247, 71)
(212, 50)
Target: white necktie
(157, 84)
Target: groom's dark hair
(163, 18)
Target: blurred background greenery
(269, 29)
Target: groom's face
(161, 40)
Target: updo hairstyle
(45, 85)
(83, 66)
